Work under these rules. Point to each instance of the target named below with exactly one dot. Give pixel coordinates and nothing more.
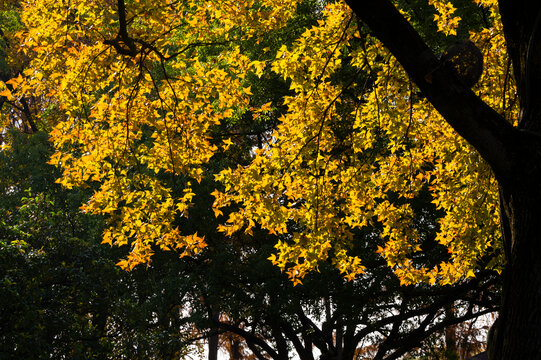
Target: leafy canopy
(138, 86)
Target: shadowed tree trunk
(450, 334)
(214, 337)
(514, 153)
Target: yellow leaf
(6, 93)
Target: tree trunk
(518, 333)
(451, 351)
(213, 347)
(213, 340)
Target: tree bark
(514, 153)
(519, 330)
(213, 340)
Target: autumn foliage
(132, 92)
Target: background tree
(61, 294)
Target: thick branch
(281, 344)
(319, 340)
(249, 338)
(474, 120)
(293, 336)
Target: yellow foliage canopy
(138, 99)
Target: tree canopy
(132, 92)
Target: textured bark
(513, 153)
(519, 330)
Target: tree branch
(249, 338)
(418, 336)
(28, 115)
(122, 38)
(475, 121)
(293, 336)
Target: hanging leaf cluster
(139, 86)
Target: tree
(249, 303)
(134, 91)
(61, 294)
(510, 150)
(340, 319)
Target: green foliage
(61, 294)
(9, 22)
